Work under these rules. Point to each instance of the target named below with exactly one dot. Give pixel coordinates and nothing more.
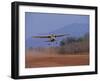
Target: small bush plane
(51, 37)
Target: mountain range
(74, 30)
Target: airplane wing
(40, 36)
(60, 35)
(47, 41)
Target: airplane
(51, 37)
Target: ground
(48, 59)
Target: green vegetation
(74, 45)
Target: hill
(75, 30)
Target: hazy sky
(38, 23)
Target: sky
(39, 23)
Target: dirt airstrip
(35, 59)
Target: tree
(74, 45)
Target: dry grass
(51, 59)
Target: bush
(74, 45)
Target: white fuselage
(52, 38)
